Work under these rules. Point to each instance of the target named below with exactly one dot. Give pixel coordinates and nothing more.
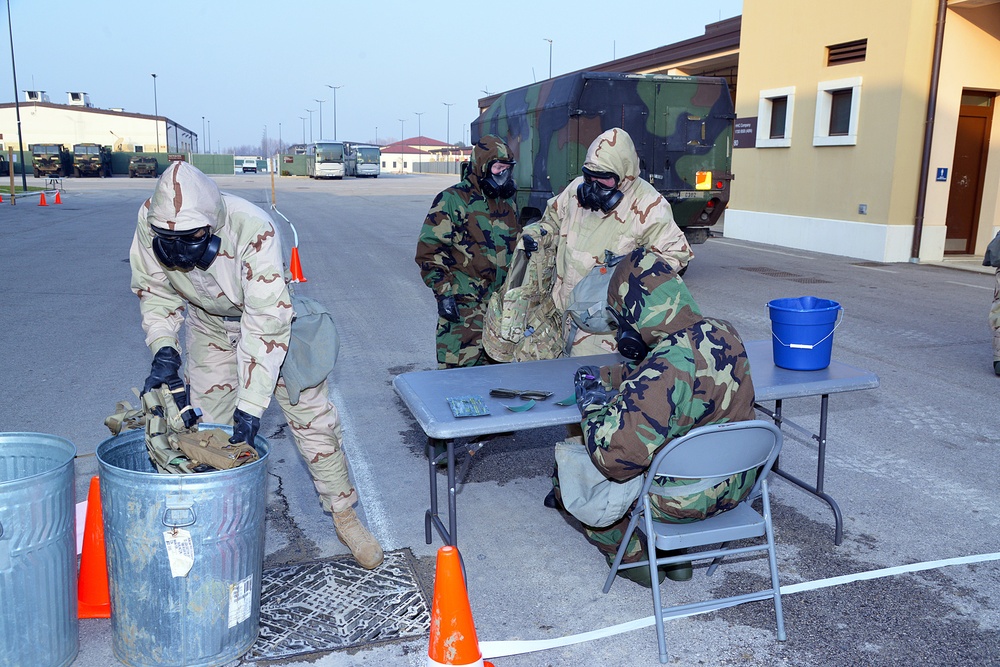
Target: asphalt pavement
(913, 463)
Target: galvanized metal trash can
(38, 621)
(185, 556)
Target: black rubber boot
(996, 367)
(678, 571)
(640, 575)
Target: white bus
(329, 159)
(367, 161)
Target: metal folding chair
(714, 451)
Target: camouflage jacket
(642, 219)
(467, 238)
(246, 280)
(696, 373)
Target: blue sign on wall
(942, 174)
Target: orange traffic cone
(41, 200)
(93, 599)
(297, 276)
(58, 198)
(453, 634)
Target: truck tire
(36, 172)
(76, 172)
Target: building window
(404, 165)
(393, 164)
(837, 108)
(383, 164)
(774, 117)
(848, 52)
(138, 148)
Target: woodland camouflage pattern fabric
(246, 279)
(463, 250)
(696, 373)
(642, 219)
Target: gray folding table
(426, 395)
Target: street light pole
(550, 55)
(320, 118)
(156, 114)
(203, 129)
(449, 105)
(209, 136)
(310, 112)
(334, 89)
(303, 119)
(420, 147)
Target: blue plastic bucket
(802, 332)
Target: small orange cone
(93, 599)
(58, 198)
(41, 200)
(453, 634)
(297, 276)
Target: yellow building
(868, 129)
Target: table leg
(820, 438)
(432, 516)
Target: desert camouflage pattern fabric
(463, 250)
(696, 373)
(233, 362)
(522, 323)
(995, 317)
(642, 219)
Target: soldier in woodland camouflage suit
(689, 371)
(218, 260)
(464, 248)
(607, 208)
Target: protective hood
(650, 297)
(613, 151)
(185, 199)
(487, 150)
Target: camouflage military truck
(51, 160)
(91, 160)
(682, 127)
(142, 165)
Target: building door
(968, 170)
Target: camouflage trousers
(210, 368)
(995, 317)
(675, 509)
(461, 343)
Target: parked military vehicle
(91, 160)
(142, 165)
(682, 127)
(51, 160)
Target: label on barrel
(240, 601)
(180, 551)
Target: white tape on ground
(503, 648)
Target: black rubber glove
(590, 390)
(166, 364)
(448, 308)
(245, 427)
(530, 245)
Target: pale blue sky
(244, 65)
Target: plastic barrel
(38, 622)
(802, 332)
(209, 614)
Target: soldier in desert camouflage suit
(694, 373)
(464, 248)
(584, 230)
(215, 261)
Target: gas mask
(499, 186)
(630, 342)
(596, 196)
(185, 250)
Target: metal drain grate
(776, 273)
(336, 604)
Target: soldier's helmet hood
(490, 148)
(613, 151)
(185, 199)
(651, 297)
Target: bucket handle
(179, 506)
(800, 346)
